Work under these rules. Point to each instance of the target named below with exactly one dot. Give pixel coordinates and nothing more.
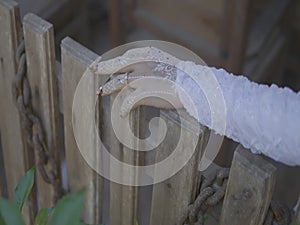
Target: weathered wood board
(124, 198)
(249, 191)
(171, 197)
(42, 77)
(17, 156)
(75, 60)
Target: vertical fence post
(42, 77)
(124, 199)
(18, 157)
(171, 197)
(75, 60)
(249, 191)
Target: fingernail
(99, 92)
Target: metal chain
(31, 125)
(212, 192)
(278, 214)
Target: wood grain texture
(17, 156)
(42, 77)
(124, 198)
(75, 61)
(171, 197)
(249, 191)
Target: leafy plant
(23, 188)
(42, 216)
(66, 212)
(9, 213)
(70, 205)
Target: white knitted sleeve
(265, 119)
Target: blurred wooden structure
(68, 16)
(105, 201)
(243, 36)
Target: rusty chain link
(278, 214)
(31, 125)
(212, 192)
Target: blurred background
(256, 38)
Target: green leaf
(23, 188)
(82, 223)
(68, 210)
(9, 213)
(42, 216)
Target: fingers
(163, 99)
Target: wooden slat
(117, 28)
(268, 66)
(130, 6)
(171, 197)
(124, 198)
(263, 26)
(201, 22)
(225, 29)
(209, 52)
(249, 191)
(17, 156)
(75, 60)
(42, 77)
(238, 35)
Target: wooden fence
(52, 84)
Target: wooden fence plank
(264, 24)
(17, 156)
(75, 60)
(249, 191)
(3, 185)
(124, 198)
(116, 24)
(268, 66)
(238, 35)
(42, 77)
(171, 197)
